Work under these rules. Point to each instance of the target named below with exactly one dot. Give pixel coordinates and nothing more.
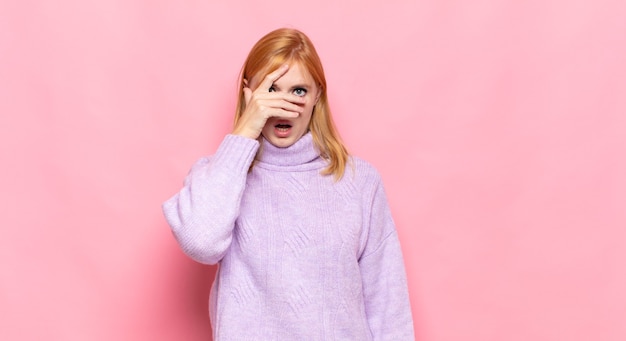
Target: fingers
(284, 114)
(262, 90)
(273, 96)
(267, 108)
(273, 77)
(282, 105)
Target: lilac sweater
(301, 257)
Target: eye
(299, 92)
(271, 89)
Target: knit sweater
(301, 256)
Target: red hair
(292, 46)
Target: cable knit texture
(301, 256)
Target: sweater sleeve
(202, 214)
(385, 286)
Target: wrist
(245, 133)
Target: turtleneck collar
(301, 153)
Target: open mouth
(283, 127)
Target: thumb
(247, 94)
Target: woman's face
(283, 132)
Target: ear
(319, 93)
(245, 83)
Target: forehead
(297, 74)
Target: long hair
(292, 46)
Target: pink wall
(499, 129)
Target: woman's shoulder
(361, 172)
(362, 164)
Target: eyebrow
(297, 86)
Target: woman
(302, 232)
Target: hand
(261, 104)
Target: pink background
(498, 127)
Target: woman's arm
(202, 215)
(385, 288)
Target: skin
(279, 106)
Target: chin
(281, 142)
